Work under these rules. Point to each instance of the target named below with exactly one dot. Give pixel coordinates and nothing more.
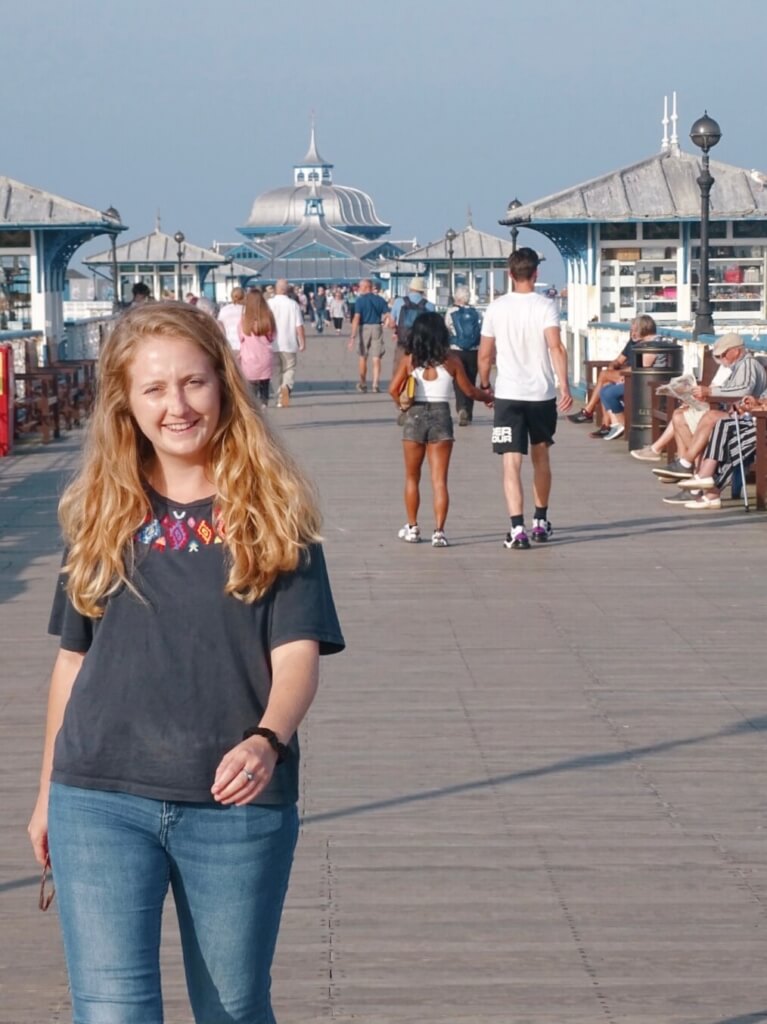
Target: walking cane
(746, 506)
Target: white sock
(685, 463)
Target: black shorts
(514, 423)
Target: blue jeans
(115, 855)
(611, 397)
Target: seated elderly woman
(612, 374)
(612, 396)
(723, 453)
(611, 386)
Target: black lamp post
(513, 205)
(705, 133)
(116, 304)
(179, 238)
(450, 237)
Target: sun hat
(417, 285)
(726, 342)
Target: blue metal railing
(19, 335)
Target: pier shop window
(749, 229)
(617, 232)
(15, 240)
(716, 229)
(15, 293)
(661, 230)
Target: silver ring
(248, 775)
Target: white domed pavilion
(282, 209)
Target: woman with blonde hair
(192, 607)
(256, 330)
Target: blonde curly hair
(267, 511)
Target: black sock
(517, 521)
(541, 512)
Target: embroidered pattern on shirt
(178, 532)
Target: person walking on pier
(230, 315)
(520, 332)
(289, 340)
(428, 425)
(465, 326)
(404, 311)
(367, 333)
(256, 331)
(337, 308)
(320, 308)
(192, 608)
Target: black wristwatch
(280, 749)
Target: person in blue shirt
(367, 333)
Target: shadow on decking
(586, 761)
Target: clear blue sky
(196, 107)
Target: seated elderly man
(685, 418)
(747, 377)
(723, 453)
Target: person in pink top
(256, 330)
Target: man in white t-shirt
(230, 315)
(520, 332)
(289, 339)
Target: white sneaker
(704, 502)
(438, 539)
(616, 430)
(410, 534)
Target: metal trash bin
(643, 380)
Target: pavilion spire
(674, 141)
(664, 146)
(313, 157)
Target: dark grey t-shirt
(169, 684)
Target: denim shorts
(428, 423)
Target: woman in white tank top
(428, 426)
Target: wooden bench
(80, 375)
(592, 368)
(52, 396)
(760, 464)
(37, 409)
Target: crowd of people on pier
(437, 359)
(267, 331)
